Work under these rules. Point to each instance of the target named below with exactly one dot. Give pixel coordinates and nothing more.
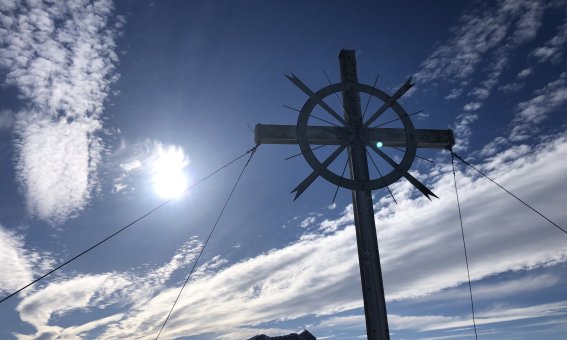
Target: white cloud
(552, 50)
(525, 72)
(479, 34)
(60, 56)
(546, 100)
(461, 326)
(462, 130)
(499, 290)
(501, 314)
(473, 106)
(318, 274)
(68, 295)
(535, 110)
(482, 44)
(511, 87)
(56, 165)
(82, 293)
(307, 222)
(529, 115)
(21, 262)
(135, 164)
(341, 322)
(473, 59)
(455, 93)
(6, 120)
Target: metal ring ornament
(373, 184)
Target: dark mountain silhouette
(305, 335)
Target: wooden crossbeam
(329, 135)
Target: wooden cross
(356, 136)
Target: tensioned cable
(416, 156)
(464, 244)
(125, 227)
(453, 154)
(253, 150)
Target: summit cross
(356, 135)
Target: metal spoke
(336, 95)
(370, 96)
(423, 158)
(339, 184)
(403, 89)
(316, 173)
(424, 190)
(314, 96)
(292, 108)
(395, 120)
(379, 173)
(313, 116)
(323, 120)
(301, 153)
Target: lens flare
(169, 179)
(379, 144)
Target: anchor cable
(464, 244)
(252, 151)
(124, 228)
(453, 154)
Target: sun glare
(169, 178)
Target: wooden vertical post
(368, 255)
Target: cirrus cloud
(60, 56)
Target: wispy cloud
(553, 49)
(456, 325)
(492, 291)
(479, 51)
(20, 263)
(299, 273)
(6, 120)
(318, 274)
(462, 130)
(60, 56)
(482, 35)
(535, 110)
(529, 116)
(82, 293)
(502, 314)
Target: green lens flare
(379, 144)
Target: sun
(169, 178)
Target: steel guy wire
(253, 150)
(506, 190)
(123, 228)
(464, 244)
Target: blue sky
(95, 95)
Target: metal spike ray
(397, 95)
(299, 189)
(297, 82)
(420, 186)
(403, 89)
